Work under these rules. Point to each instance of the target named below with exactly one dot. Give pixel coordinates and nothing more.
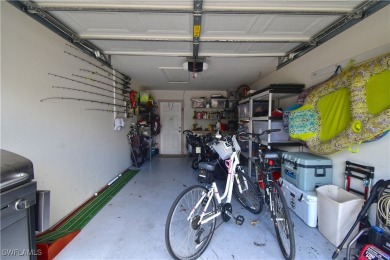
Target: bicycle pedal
(240, 220)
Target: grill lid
(15, 170)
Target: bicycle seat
(271, 155)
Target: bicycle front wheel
(249, 195)
(185, 238)
(282, 222)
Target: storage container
(198, 102)
(243, 110)
(260, 108)
(224, 149)
(306, 171)
(337, 212)
(260, 126)
(302, 203)
(218, 102)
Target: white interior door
(170, 115)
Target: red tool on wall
(133, 98)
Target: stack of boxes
(302, 173)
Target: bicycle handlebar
(186, 132)
(268, 131)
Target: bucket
(337, 212)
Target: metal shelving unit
(266, 100)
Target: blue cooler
(306, 171)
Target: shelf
(260, 118)
(215, 119)
(283, 143)
(280, 90)
(205, 117)
(262, 103)
(212, 108)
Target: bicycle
(191, 221)
(266, 164)
(200, 148)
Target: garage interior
(60, 57)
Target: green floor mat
(85, 214)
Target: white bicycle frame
(231, 164)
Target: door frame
(181, 101)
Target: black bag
(155, 124)
(205, 176)
(137, 157)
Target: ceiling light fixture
(195, 66)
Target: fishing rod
(110, 67)
(89, 92)
(81, 99)
(106, 110)
(97, 73)
(90, 63)
(62, 77)
(101, 82)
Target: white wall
(186, 96)
(75, 152)
(367, 39)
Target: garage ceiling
(241, 41)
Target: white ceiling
(241, 41)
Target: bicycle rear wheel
(195, 164)
(186, 239)
(282, 222)
(249, 196)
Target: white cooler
(303, 203)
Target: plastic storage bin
(303, 203)
(224, 149)
(218, 102)
(243, 110)
(260, 126)
(337, 211)
(260, 108)
(198, 102)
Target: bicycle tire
(250, 197)
(195, 164)
(180, 233)
(282, 222)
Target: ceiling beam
(366, 9)
(158, 38)
(49, 21)
(105, 7)
(196, 28)
(190, 55)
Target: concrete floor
(132, 224)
